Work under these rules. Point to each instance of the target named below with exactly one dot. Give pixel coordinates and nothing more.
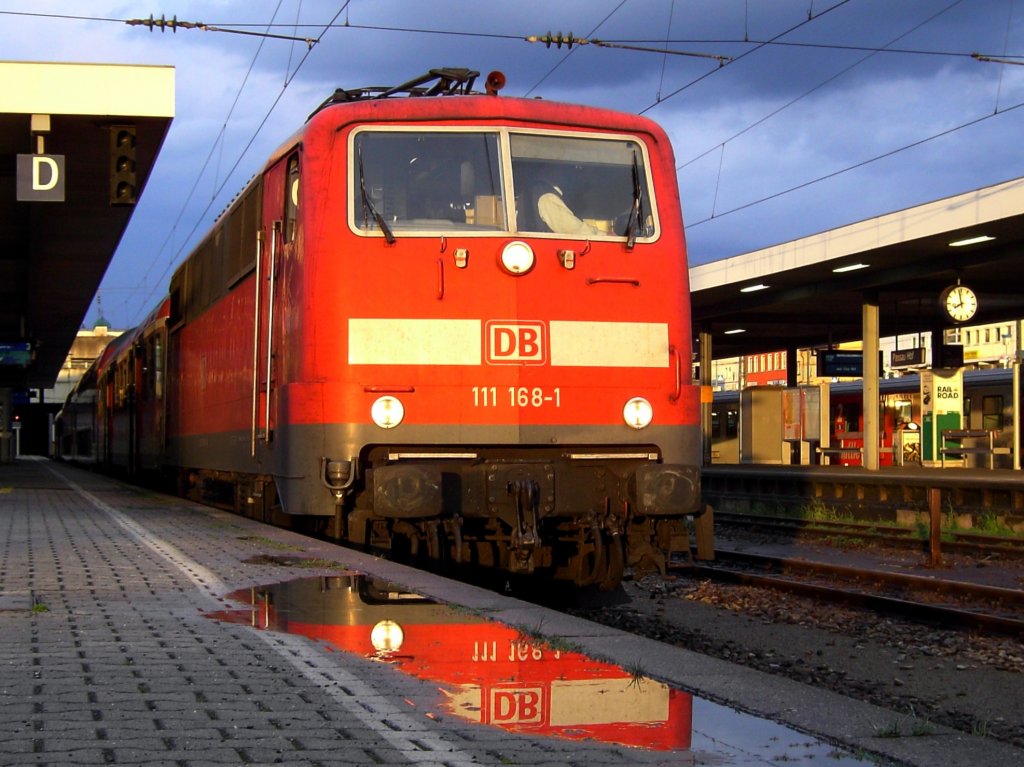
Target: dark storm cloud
(775, 119)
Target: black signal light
(123, 185)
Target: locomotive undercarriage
(585, 518)
(577, 550)
(579, 517)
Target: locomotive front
(489, 354)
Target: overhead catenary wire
(241, 27)
(569, 40)
(173, 24)
(857, 165)
(780, 35)
(1019, 60)
(565, 58)
(241, 155)
(662, 48)
(218, 141)
(722, 145)
(622, 43)
(1006, 44)
(664, 58)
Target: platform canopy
(77, 143)
(809, 293)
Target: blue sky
(831, 111)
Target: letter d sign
(40, 178)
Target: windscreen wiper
(636, 210)
(368, 204)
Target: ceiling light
(971, 241)
(850, 268)
(754, 288)
(734, 331)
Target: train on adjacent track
(447, 324)
(988, 406)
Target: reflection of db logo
(518, 706)
(515, 343)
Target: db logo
(515, 343)
(517, 706)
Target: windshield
(415, 182)
(428, 181)
(579, 186)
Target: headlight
(638, 413)
(387, 636)
(517, 257)
(387, 412)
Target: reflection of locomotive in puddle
(490, 673)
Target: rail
(911, 597)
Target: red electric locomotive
(448, 324)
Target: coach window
(291, 199)
(158, 367)
(581, 187)
(419, 182)
(992, 412)
(143, 362)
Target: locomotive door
(105, 422)
(129, 373)
(277, 225)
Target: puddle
(491, 674)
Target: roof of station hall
(53, 254)
(901, 260)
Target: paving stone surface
(107, 655)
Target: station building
(940, 281)
(984, 346)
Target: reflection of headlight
(517, 257)
(387, 412)
(387, 636)
(638, 413)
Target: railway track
(974, 544)
(942, 602)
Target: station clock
(959, 302)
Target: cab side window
(291, 199)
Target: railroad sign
(834, 363)
(906, 357)
(941, 409)
(40, 178)
(16, 354)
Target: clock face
(959, 302)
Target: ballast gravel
(925, 675)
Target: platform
(996, 491)
(120, 644)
